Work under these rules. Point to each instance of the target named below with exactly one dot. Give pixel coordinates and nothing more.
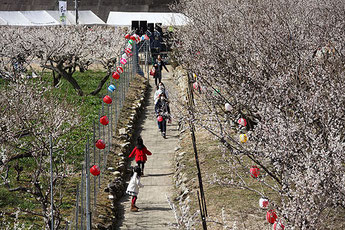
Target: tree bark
(100, 85)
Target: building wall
(100, 7)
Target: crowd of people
(162, 113)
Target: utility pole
(76, 11)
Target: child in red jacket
(140, 152)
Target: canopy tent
(126, 18)
(46, 18)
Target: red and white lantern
(107, 99)
(263, 202)
(104, 120)
(124, 56)
(254, 171)
(127, 36)
(242, 121)
(271, 216)
(100, 144)
(119, 69)
(116, 75)
(94, 170)
(227, 107)
(128, 51)
(132, 37)
(278, 226)
(159, 118)
(123, 61)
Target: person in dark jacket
(140, 152)
(162, 113)
(159, 64)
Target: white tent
(46, 18)
(126, 18)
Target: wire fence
(134, 59)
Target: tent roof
(46, 18)
(126, 18)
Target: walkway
(154, 212)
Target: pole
(192, 131)
(51, 181)
(76, 11)
(77, 208)
(87, 172)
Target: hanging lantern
(146, 37)
(119, 69)
(100, 144)
(104, 120)
(159, 118)
(263, 202)
(107, 99)
(278, 226)
(271, 216)
(132, 37)
(243, 138)
(227, 107)
(129, 46)
(111, 88)
(124, 56)
(130, 42)
(123, 61)
(128, 51)
(94, 170)
(116, 75)
(242, 122)
(195, 85)
(127, 36)
(254, 172)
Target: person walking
(140, 151)
(133, 188)
(162, 111)
(159, 64)
(161, 90)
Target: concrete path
(154, 210)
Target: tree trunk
(100, 85)
(56, 80)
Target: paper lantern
(227, 107)
(130, 42)
(94, 170)
(242, 121)
(124, 56)
(278, 226)
(271, 216)
(129, 46)
(243, 138)
(100, 144)
(195, 85)
(146, 37)
(263, 202)
(128, 50)
(123, 61)
(111, 88)
(104, 120)
(107, 99)
(116, 75)
(159, 118)
(254, 171)
(132, 37)
(119, 69)
(127, 36)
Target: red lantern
(278, 226)
(94, 170)
(127, 36)
(263, 202)
(107, 99)
(271, 216)
(159, 118)
(100, 144)
(242, 121)
(128, 51)
(254, 171)
(119, 69)
(116, 75)
(104, 120)
(132, 37)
